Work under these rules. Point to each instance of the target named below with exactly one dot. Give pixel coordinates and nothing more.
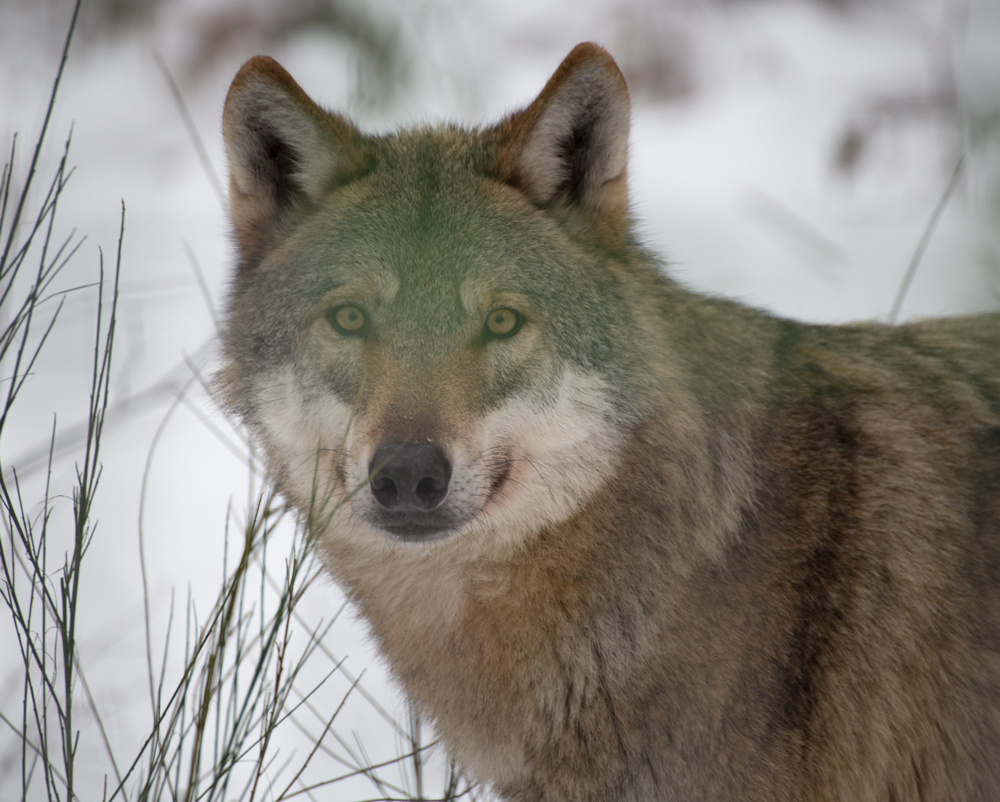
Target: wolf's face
(418, 337)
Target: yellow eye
(502, 323)
(348, 320)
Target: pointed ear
(284, 152)
(570, 146)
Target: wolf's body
(620, 541)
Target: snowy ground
(789, 154)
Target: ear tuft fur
(570, 146)
(284, 151)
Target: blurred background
(789, 153)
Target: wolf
(617, 539)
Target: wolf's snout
(409, 478)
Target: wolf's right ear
(284, 152)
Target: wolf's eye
(502, 323)
(348, 320)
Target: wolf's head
(438, 327)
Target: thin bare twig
(918, 254)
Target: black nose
(409, 477)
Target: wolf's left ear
(284, 153)
(570, 146)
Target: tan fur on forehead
(375, 284)
(478, 295)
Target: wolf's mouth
(416, 528)
(499, 480)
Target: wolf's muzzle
(409, 478)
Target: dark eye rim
(331, 317)
(489, 336)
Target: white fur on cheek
(294, 426)
(561, 452)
